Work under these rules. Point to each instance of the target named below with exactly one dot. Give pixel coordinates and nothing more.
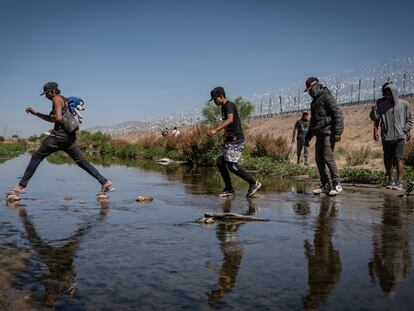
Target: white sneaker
(397, 186)
(324, 188)
(335, 190)
(390, 184)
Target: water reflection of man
(324, 263)
(61, 279)
(232, 250)
(302, 208)
(391, 261)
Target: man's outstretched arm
(52, 117)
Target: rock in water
(144, 198)
(68, 198)
(12, 197)
(101, 196)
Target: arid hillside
(357, 137)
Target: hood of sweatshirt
(394, 92)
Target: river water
(350, 252)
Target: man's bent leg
(48, 146)
(76, 154)
(237, 170)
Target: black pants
(225, 167)
(324, 157)
(66, 143)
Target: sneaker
(253, 189)
(226, 193)
(107, 187)
(323, 188)
(335, 189)
(397, 186)
(390, 184)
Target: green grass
(12, 149)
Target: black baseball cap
(311, 81)
(50, 86)
(216, 92)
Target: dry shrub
(276, 148)
(358, 156)
(151, 139)
(197, 147)
(409, 153)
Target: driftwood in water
(233, 216)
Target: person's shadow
(391, 260)
(324, 262)
(61, 277)
(232, 250)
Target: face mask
(312, 93)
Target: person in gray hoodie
(396, 121)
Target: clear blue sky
(131, 60)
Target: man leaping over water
(231, 150)
(58, 140)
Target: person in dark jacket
(327, 125)
(395, 119)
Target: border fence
(351, 87)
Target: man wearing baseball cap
(327, 125)
(59, 139)
(231, 150)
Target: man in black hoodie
(327, 125)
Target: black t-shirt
(234, 130)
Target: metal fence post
(404, 79)
(269, 107)
(280, 101)
(352, 93)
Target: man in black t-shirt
(302, 127)
(233, 145)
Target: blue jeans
(60, 142)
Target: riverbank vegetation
(12, 147)
(263, 154)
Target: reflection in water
(302, 208)
(324, 263)
(61, 277)
(391, 260)
(231, 248)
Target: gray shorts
(232, 151)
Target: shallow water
(351, 252)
